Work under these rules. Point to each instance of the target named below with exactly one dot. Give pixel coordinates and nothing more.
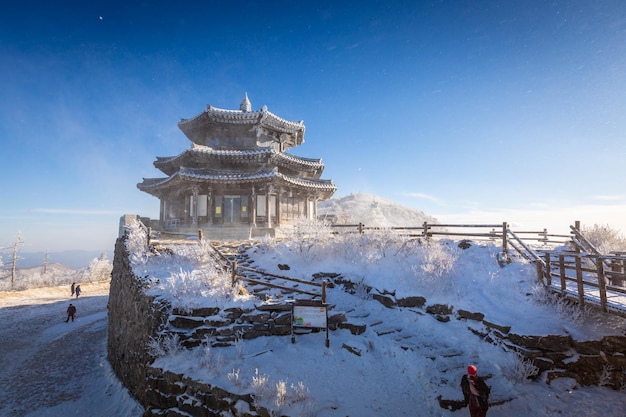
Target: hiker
(72, 288)
(476, 392)
(77, 290)
(71, 310)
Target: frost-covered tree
(99, 269)
(604, 238)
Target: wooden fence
(584, 275)
(598, 279)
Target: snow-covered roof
(169, 165)
(262, 117)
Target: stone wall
(133, 319)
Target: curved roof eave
(262, 117)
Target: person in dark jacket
(71, 310)
(476, 392)
(77, 290)
(72, 287)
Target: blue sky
(470, 111)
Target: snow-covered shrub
(307, 233)
(361, 290)
(565, 309)
(384, 239)
(259, 386)
(604, 238)
(267, 243)
(281, 396)
(233, 377)
(437, 259)
(519, 369)
(164, 345)
(137, 242)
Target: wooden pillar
(186, 209)
(253, 207)
(267, 207)
(162, 213)
(194, 209)
(279, 195)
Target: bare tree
(16, 247)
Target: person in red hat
(476, 392)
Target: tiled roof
(245, 154)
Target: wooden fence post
(200, 235)
(579, 281)
(425, 231)
(324, 292)
(361, 228)
(234, 276)
(548, 273)
(505, 246)
(577, 227)
(149, 231)
(562, 274)
(601, 283)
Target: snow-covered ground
(406, 359)
(49, 368)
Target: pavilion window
(261, 205)
(202, 206)
(273, 206)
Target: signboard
(310, 315)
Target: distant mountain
(372, 211)
(73, 258)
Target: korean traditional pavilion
(236, 179)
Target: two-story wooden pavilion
(236, 179)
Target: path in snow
(52, 368)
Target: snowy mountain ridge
(372, 211)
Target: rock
(384, 300)
(464, 314)
(411, 302)
(355, 329)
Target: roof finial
(245, 104)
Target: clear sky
(471, 111)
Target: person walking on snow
(476, 392)
(77, 290)
(72, 288)
(71, 310)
